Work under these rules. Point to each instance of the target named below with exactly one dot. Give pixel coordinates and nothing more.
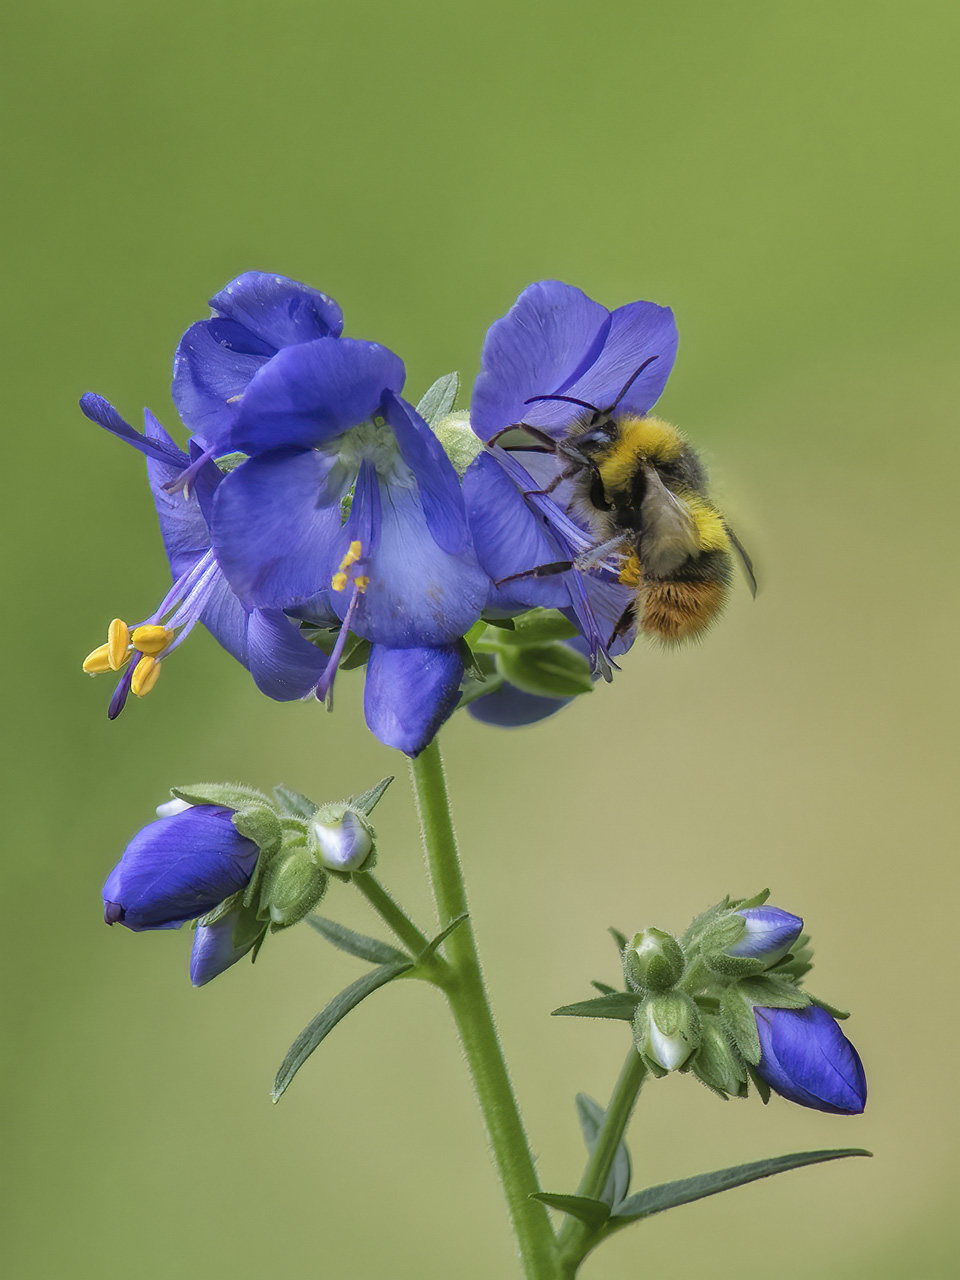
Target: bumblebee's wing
(744, 559)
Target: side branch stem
(465, 990)
(390, 911)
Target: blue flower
(347, 512)
(178, 868)
(283, 664)
(555, 341)
(770, 933)
(255, 316)
(215, 950)
(806, 1058)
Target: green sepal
(460, 442)
(293, 884)
(736, 1015)
(293, 805)
(548, 670)
(717, 1063)
(617, 1004)
(773, 993)
(619, 938)
(439, 400)
(699, 924)
(471, 663)
(743, 904)
(604, 988)
(357, 944)
(840, 1014)
(798, 963)
(229, 795)
(671, 1194)
(591, 1116)
(541, 626)
(593, 1212)
(321, 1026)
(763, 1089)
(259, 823)
(230, 461)
(367, 801)
(441, 937)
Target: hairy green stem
(391, 912)
(467, 995)
(576, 1238)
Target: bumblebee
(642, 491)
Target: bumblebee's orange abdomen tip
(678, 611)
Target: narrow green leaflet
(432, 945)
(593, 1212)
(670, 1194)
(293, 804)
(618, 1004)
(327, 1019)
(604, 988)
(367, 801)
(357, 944)
(439, 399)
(591, 1116)
(619, 938)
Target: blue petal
(409, 693)
(806, 1058)
(508, 707)
(280, 311)
(308, 393)
(105, 415)
(276, 519)
(284, 664)
(211, 370)
(417, 594)
(545, 341)
(509, 538)
(182, 524)
(178, 868)
(436, 478)
(637, 332)
(213, 949)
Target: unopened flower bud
(806, 1058)
(295, 884)
(667, 1029)
(717, 1062)
(343, 842)
(653, 960)
(178, 868)
(219, 945)
(770, 933)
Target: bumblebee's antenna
(592, 407)
(631, 380)
(568, 400)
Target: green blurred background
(784, 176)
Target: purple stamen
(121, 692)
(324, 690)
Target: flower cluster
(317, 519)
(238, 863)
(726, 1002)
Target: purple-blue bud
(214, 949)
(770, 934)
(178, 868)
(806, 1058)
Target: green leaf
(327, 1019)
(357, 944)
(619, 938)
(293, 804)
(593, 1212)
(547, 670)
(540, 626)
(231, 795)
(439, 399)
(619, 1004)
(604, 988)
(591, 1116)
(670, 1194)
(366, 802)
(442, 936)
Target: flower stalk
(466, 992)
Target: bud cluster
(725, 1002)
(239, 864)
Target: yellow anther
(145, 676)
(152, 639)
(338, 581)
(361, 582)
(96, 663)
(118, 642)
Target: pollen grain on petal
(145, 676)
(152, 639)
(118, 641)
(97, 662)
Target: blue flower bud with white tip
(178, 868)
(667, 1030)
(770, 933)
(342, 838)
(807, 1059)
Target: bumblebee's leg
(624, 623)
(541, 571)
(744, 559)
(542, 436)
